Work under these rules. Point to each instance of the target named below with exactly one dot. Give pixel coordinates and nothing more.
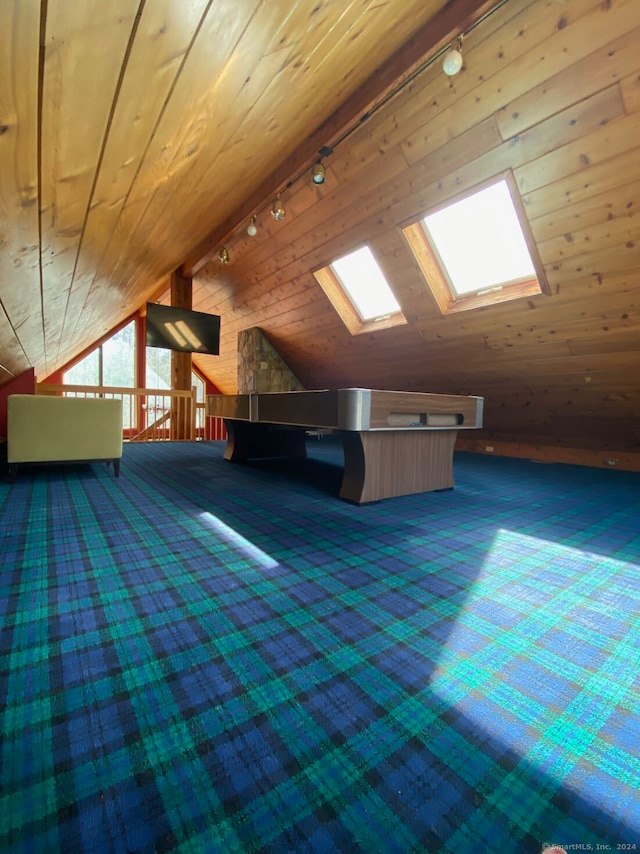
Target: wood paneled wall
(550, 90)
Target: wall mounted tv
(180, 329)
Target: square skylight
(478, 250)
(364, 282)
(360, 293)
(480, 241)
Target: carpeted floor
(205, 657)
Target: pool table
(395, 442)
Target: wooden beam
(455, 17)
(181, 297)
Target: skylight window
(360, 293)
(365, 283)
(495, 250)
(477, 251)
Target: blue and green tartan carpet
(207, 657)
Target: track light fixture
(317, 173)
(453, 60)
(277, 208)
(452, 64)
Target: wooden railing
(151, 415)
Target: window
(158, 376)
(359, 292)
(158, 363)
(112, 363)
(119, 358)
(200, 386)
(86, 371)
(478, 251)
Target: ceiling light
(252, 228)
(223, 255)
(453, 60)
(317, 173)
(277, 209)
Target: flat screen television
(181, 329)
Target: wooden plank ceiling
(136, 137)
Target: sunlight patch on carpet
(236, 541)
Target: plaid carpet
(206, 657)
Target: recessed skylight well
(360, 292)
(364, 281)
(495, 250)
(474, 251)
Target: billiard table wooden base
(395, 443)
(386, 465)
(377, 465)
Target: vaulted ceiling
(138, 137)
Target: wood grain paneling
(83, 44)
(594, 72)
(21, 321)
(587, 212)
(163, 37)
